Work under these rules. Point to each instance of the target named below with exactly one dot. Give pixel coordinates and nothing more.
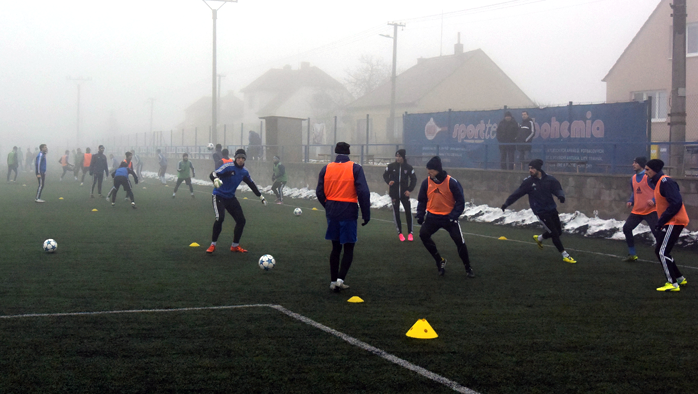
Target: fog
(133, 51)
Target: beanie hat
(641, 161)
(536, 163)
(240, 153)
(401, 153)
(508, 114)
(655, 164)
(435, 164)
(277, 158)
(342, 148)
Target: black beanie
(240, 153)
(655, 165)
(401, 153)
(641, 161)
(536, 163)
(342, 148)
(508, 114)
(435, 164)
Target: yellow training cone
(24, 185)
(143, 187)
(314, 209)
(355, 300)
(502, 238)
(194, 245)
(244, 198)
(94, 210)
(60, 198)
(422, 330)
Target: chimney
(305, 65)
(458, 48)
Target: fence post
(242, 127)
(367, 132)
(171, 144)
(487, 151)
(613, 160)
(224, 134)
(196, 136)
(307, 138)
(362, 151)
(335, 129)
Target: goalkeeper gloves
(217, 183)
(504, 206)
(562, 199)
(264, 200)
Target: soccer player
(20, 159)
(401, 180)
(120, 176)
(541, 188)
(98, 168)
(226, 180)
(79, 157)
(86, 162)
(217, 156)
(28, 160)
(672, 220)
(341, 185)
(162, 162)
(129, 164)
(643, 206)
(185, 171)
(139, 164)
(12, 161)
(65, 163)
(440, 204)
(279, 178)
(40, 169)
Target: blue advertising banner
(595, 137)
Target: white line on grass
(351, 340)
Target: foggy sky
(555, 50)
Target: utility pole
(393, 78)
(677, 117)
(152, 104)
(78, 81)
(214, 117)
(218, 109)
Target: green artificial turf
(527, 323)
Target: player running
(120, 176)
(341, 185)
(642, 202)
(279, 178)
(672, 220)
(226, 180)
(440, 204)
(98, 169)
(541, 188)
(401, 180)
(185, 171)
(65, 164)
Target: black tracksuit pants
(98, 178)
(666, 239)
(232, 205)
(278, 189)
(432, 224)
(553, 228)
(633, 221)
(118, 182)
(405, 201)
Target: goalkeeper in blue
(185, 171)
(226, 180)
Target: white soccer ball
(50, 246)
(267, 262)
(210, 146)
(297, 211)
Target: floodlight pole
(393, 78)
(78, 81)
(214, 117)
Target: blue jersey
(40, 163)
(232, 175)
(121, 171)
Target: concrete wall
(585, 192)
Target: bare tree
(368, 75)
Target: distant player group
(342, 189)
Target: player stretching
(40, 168)
(120, 176)
(440, 204)
(98, 168)
(185, 171)
(279, 178)
(226, 180)
(672, 220)
(340, 186)
(541, 188)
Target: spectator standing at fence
(524, 137)
(217, 156)
(12, 161)
(28, 160)
(507, 131)
(162, 162)
(541, 188)
(401, 181)
(255, 148)
(279, 178)
(643, 206)
(672, 220)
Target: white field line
(351, 340)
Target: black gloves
(562, 199)
(365, 222)
(504, 206)
(420, 221)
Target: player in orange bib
(440, 204)
(672, 220)
(642, 202)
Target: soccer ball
(267, 262)
(50, 246)
(297, 211)
(210, 146)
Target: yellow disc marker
(60, 198)
(194, 245)
(314, 209)
(355, 300)
(143, 187)
(422, 330)
(244, 198)
(94, 210)
(502, 238)
(24, 185)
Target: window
(692, 39)
(659, 103)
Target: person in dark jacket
(40, 169)
(341, 185)
(524, 137)
(216, 156)
(440, 204)
(541, 188)
(120, 176)
(98, 169)
(672, 220)
(401, 180)
(507, 131)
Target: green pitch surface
(527, 323)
